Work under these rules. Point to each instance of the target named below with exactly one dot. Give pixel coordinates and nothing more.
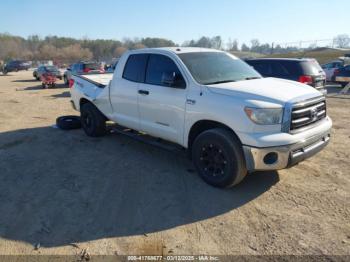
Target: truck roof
(281, 59)
(176, 50)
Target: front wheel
(92, 120)
(218, 157)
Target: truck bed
(100, 80)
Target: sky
(277, 21)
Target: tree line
(67, 50)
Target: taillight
(86, 70)
(336, 71)
(305, 79)
(71, 83)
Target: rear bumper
(285, 155)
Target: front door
(162, 103)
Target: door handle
(144, 92)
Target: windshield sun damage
(210, 68)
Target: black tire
(68, 122)
(5, 72)
(343, 84)
(92, 120)
(218, 158)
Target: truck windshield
(210, 68)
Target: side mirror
(172, 79)
(69, 69)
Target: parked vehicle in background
(37, 73)
(303, 70)
(231, 120)
(330, 68)
(82, 68)
(48, 79)
(112, 66)
(15, 66)
(342, 75)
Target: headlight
(265, 116)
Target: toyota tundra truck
(230, 119)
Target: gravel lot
(116, 195)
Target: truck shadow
(62, 187)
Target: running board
(144, 138)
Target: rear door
(124, 91)
(162, 107)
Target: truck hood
(270, 90)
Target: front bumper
(286, 155)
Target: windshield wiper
(251, 78)
(220, 82)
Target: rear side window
(135, 68)
(293, 67)
(278, 69)
(311, 68)
(158, 67)
(262, 67)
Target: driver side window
(162, 70)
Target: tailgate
(99, 80)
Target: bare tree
(342, 41)
(255, 45)
(245, 48)
(139, 46)
(119, 51)
(232, 45)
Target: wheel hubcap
(212, 160)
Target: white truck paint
(171, 113)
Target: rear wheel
(218, 157)
(92, 120)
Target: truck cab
(230, 119)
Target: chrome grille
(307, 113)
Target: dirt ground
(116, 195)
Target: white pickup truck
(230, 119)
